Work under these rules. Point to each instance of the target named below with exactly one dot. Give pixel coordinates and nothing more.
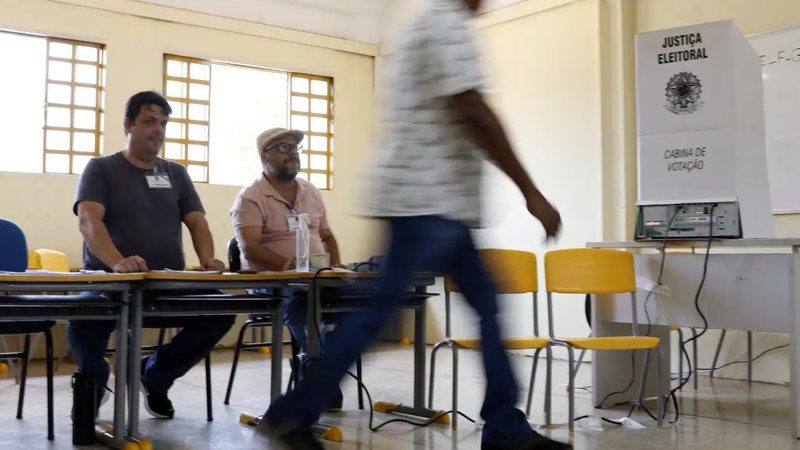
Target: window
(55, 96)
(219, 109)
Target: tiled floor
(722, 414)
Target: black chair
(263, 321)
(14, 258)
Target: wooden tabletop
(68, 277)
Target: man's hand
(131, 264)
(213, 264)
(540, 208)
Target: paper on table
(189, 272)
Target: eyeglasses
(285, 148)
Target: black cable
(646, 313)
(363, 386)
(743, 362)
(683, 382)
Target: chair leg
(680, 359)
(571, 388)
(548, 389)
(531, 382)
(24, 374)
(432, 376)
(749, 357)
(580, 361)
(716, 354)
(644, 377)
(236, 353)
(694, 356)
(359, 375)
(455, 386)
(49, 357)
(660, 393)
(209, 409)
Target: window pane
(319, 162)
(178, 110)
(300, 104)
(83, 142)
(176, 68)
(300, 85)
(57, 140)
(175, 130)
(200, 72)
(85, 73)
(198, 153)
(198, 91)
(318, 143)
(319, 180)
(60, 50)
(198, 112)
(319, 125)
(79, 163)
(303, 175)
(173, 150)
(319, 87)
(21, 126)
(84, 119)
(198, 132)
(197, 173)
(85, 53)
(176, 89)
(58, 117)
(59, 71)
(319, 106)
(245, 101)
(300, 122)
(56, 163)
(58, 93)
(85, 96)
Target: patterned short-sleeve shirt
(426, 165)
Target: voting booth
(701, 150)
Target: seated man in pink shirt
(261, 215)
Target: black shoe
(535, 442)
(156, 402)
(336, 404)
(293, 440)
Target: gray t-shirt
(141, 220)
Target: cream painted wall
(751, 16)
(41, 204)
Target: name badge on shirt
(294, 221)
(158, 181)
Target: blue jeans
(417, 244)
(88, 341)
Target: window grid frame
(328, 171)
(99, 87)
(186, 101)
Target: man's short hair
(135, 103)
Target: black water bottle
(84, 406)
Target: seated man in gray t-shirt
(131, 206)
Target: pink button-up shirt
(260, 205)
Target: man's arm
(331, 246)
(95, 234)
(255, 252)
(487, 132)
(203, 242)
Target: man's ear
(127, 125)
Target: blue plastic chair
(14, 258)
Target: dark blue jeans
(417, 244)
(88, 341)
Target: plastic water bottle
(301, 247)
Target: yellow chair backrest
(513, 271)
(33, 261)
(53, 260)
(589, 271)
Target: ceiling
(357, 20)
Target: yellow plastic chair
(52, 260)
(33, 261)
(597, 272)
(513, 272)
